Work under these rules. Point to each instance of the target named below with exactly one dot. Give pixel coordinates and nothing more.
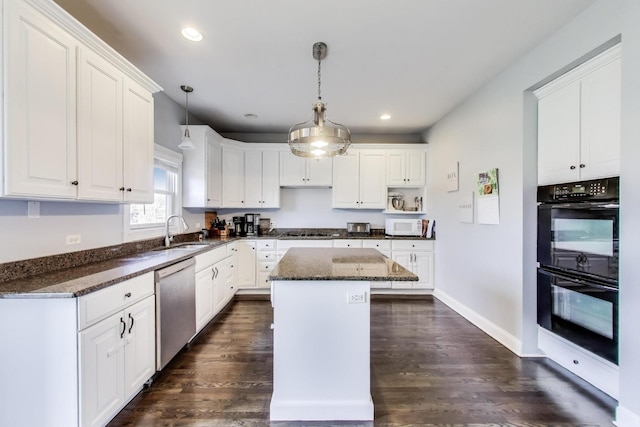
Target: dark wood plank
(429, 366)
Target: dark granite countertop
(80, 280)
(339, 264)
(76, 274)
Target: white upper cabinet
(406, 168)
(579, 122)
(202, 169)
(79, 117)
(305, 172)
(359, 180)
(115, 133)
(100, 128)
(39, 106)
(261, 184)
(233, 177)
(138, 143)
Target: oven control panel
(595, 189)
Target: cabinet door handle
(582, 165)
(132, 322)
(121, 188)
(572, 167)
(74, 182)
(129, 189)
(124, 327)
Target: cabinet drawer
(209, 258)
(347, 243)
(267, 256)
(381, 245)
(310, 243)
(101, 304)
(266, 245)
(265, 266)
(263, 280)
(409, 245)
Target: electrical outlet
(74, 239)
(197, 226)
(33, 209)
(357, 297)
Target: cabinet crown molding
(580, 71)
(57, 14)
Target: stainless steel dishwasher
(175, 309)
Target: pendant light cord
(319, 78)
(186, 120)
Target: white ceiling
(413, 59)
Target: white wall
(310, 208)
(629, 408)
(488, 271)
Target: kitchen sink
(189, 246)
(182, 247)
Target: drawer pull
(576, 362)
(127, 295)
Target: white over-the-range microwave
(408, 227)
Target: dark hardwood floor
(429, 366)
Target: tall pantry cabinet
(79, 117)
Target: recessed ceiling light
(251, 116)
(192, 34)
(385, 117)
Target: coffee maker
(252, 222)
(239, 226)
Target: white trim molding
(494, 331)
(626, 418)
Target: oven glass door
(580, 238)
(580, 311)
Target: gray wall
(488, 271)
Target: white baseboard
(626, 418)
(490, 328)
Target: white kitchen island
(321, 297)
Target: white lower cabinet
(246, 263)
(204, 296)
(284, 245)
(219, 286)
(117, 347)
(231, 276)
(347, 243)
(209, 272)
(266, 261)
(384, 247)
(417, 257)
(117, 357)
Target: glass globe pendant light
(186, 143)
(319, 137)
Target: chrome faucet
(168, 237)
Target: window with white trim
(143, 221)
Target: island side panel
(321, 351)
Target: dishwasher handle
(174, 268)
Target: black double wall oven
(578, 263)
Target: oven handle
(577, 280)
(583, 206)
